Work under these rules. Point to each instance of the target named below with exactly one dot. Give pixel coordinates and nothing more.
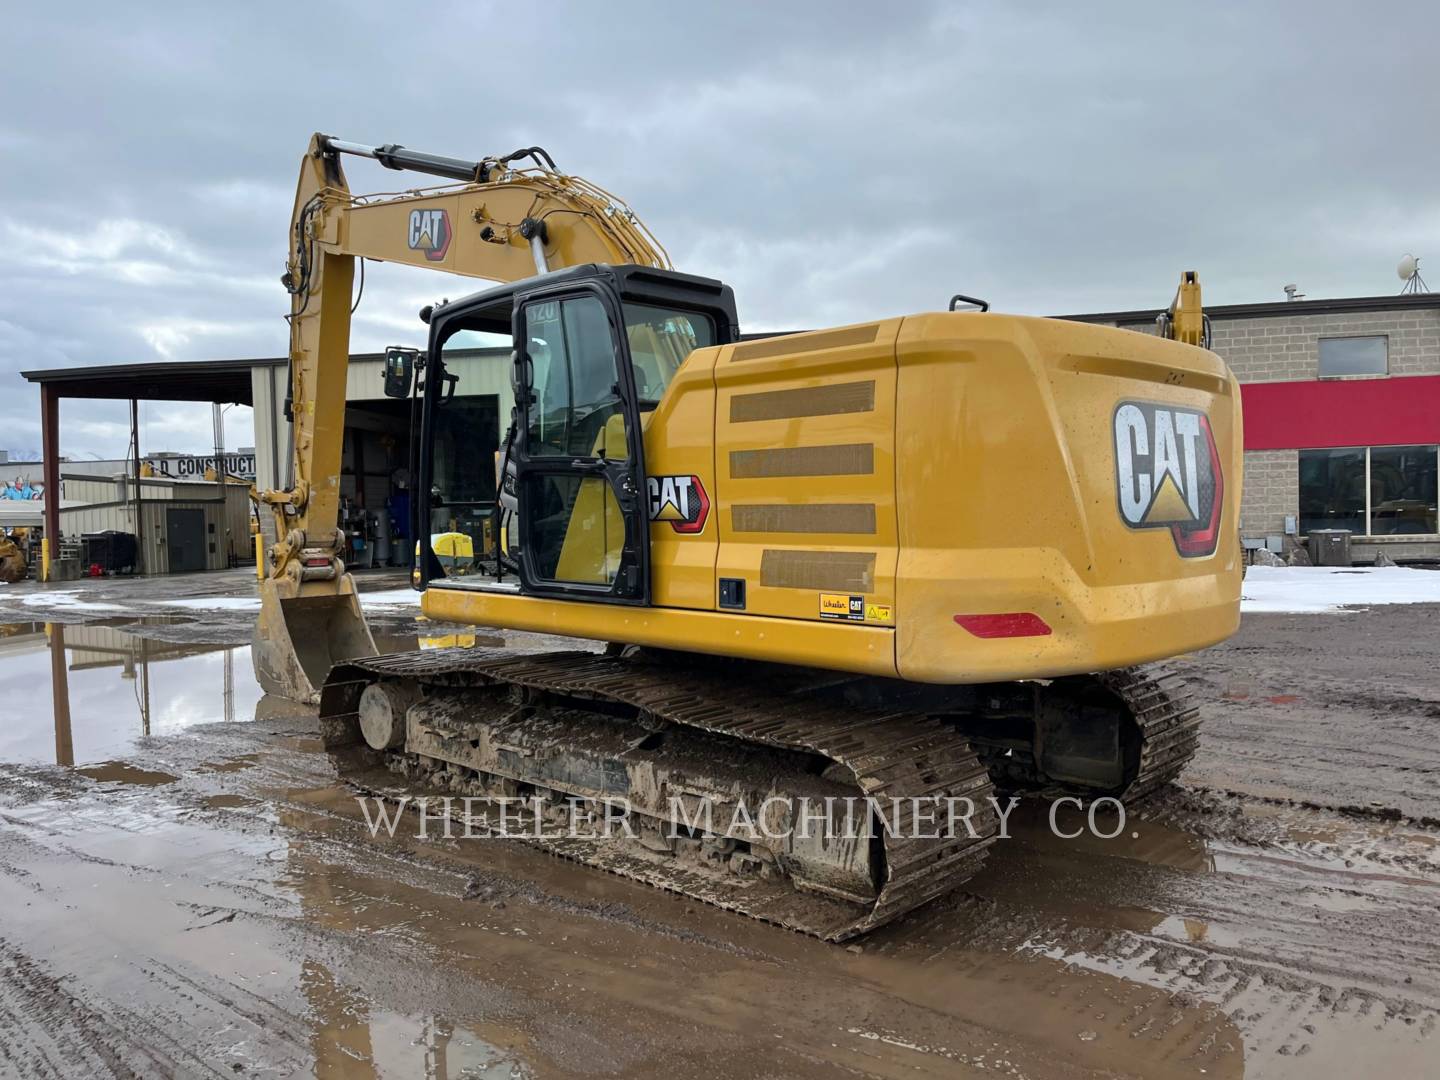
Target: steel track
(894, 755)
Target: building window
(1332, 490)
(1342, 356)
(1402, 489)
(1372, 491)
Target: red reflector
(317, 562)
(1010, 624)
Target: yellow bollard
(259, 557)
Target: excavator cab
(594, 349)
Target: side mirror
(400, 365)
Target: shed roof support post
(135, 464)
(50, 451)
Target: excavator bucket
(299, 638)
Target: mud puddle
(187, 950)
(87, 694)
(274, 935)
(1320, 950)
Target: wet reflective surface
(192, 891)
(90, 692)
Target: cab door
(578, 460)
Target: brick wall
(1281, 349)
(1275, 349)
(1272, 491)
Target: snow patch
(212, 603)
(385, 599)
(68, 601)
(1319, 589)
(390, 598)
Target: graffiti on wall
(21, 489)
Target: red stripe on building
(1341, 412)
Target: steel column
(50, 451)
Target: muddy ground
(190, 891)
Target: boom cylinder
(393, 156)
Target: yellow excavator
(13, 567)
(914, 560)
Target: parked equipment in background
(913, 558)
(13, 566)
(112, 551)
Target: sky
(834, 162)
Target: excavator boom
(509, 218)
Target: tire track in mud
(1313, 933)
(45, 1031)
(51, 1027)
(1334, 711)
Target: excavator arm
(1185, 320)
(505, 219)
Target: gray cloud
(833, 161)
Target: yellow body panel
(1007, 471)
(804, 451)
(872, 483)
(680, 441)
(864, 649)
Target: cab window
(660, 339)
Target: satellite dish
(1408, 271)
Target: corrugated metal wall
(227, 527)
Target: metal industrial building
(182, 522)
(374, 471)
(191, 525)
(166, 524)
